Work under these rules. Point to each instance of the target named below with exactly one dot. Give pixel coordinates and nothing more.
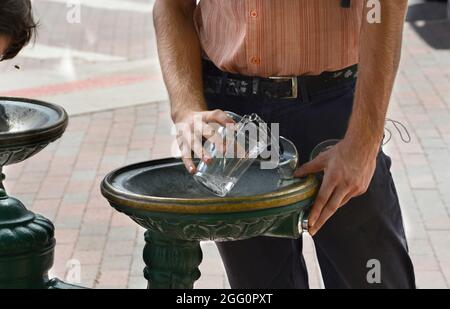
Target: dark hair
(17, 23)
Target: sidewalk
(112, 87)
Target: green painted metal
(171, 263)
(172, 252)
(26, 239)
(26, 245)
(276, 222)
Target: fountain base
(26, 246)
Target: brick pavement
(421, 169)
(62, 182)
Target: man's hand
(192, 127)
(347, 174)
(350, 165)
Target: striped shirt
(279, 37)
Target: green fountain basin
(28, 126)
(163, 198)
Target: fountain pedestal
(164, 199)
(26, 246)
(171, 263)
(26, 239)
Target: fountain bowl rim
(285, 196)
(48, 132)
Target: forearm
(380, 49)
(180, 55)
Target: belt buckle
(294, 82)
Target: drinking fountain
(159, 195)
(178, 213)
(26, 239)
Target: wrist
(362, 149)
(179, 114)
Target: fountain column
(26, 239)
(171, 263)
(26, 246)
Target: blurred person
(17, 27)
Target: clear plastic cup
(243, 143)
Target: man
(223, 55)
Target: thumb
(314, 166)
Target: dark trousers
(368, 228)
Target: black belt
(217, 81)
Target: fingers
(217, 116)
(186, 157)
(192, 132)
(210, 133)
(191, 141)
(190, 166)
(209, 130)
(347, 198)
(334, 203)
(325, 192)
(314, 166)
(197, 146)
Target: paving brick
(97, 202)
(123, 232)
(120, 220)
(440, 241)
(48, 207)
(445, 267)
(92, 229)
(53, 187)
(113, 279)
(90, 243)
(426, 262)
(119, 247)
(137, 282)
(89, 257)
(433, 211)
(137, 266)
(89, 275)
(122, 263)
(66, 236)
(430, 280)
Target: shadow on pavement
(427, 11)
(429, 20)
